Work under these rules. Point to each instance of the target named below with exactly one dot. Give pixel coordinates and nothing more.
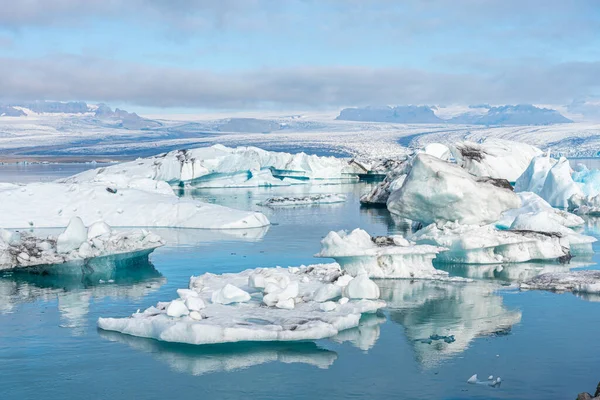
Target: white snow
(495, 158)
(358, 253)
(436, 190)
(72, 246)
(304, 200)
(54, 204)
(250, 320)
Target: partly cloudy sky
(246, 54)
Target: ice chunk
(75, 234)
(328, 306)
(582, 205)
(251, 320)
(280, 294)
(393, 180)
(559, 185)
(230, 294)
(72, 249)
(303, 201)
(532, 203)
(589, 180)
(361, 287)
(194, 303)
(54, 204)
(573, 281)
(98, 229)
(328, 292)
(177, 309)
(472, 244)
(534, 177)
(358, 253)
(472, 379)
(438, 150)
(495, 158)
(439, 191)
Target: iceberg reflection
(463, 310)
(200, 360)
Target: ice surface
(436, 190)
(559, 185)
(532, 203)
(534, 177)
(252, 320)
(495, 158)
(358, 253)
(304, 200)
(54, 204)
(221, 166)
(585, 205)
(473, 244)
(438, 150)
(29, 252)
(573, 281)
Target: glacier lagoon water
(543, 345)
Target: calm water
(543, 345)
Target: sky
(299, 54)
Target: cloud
(64, 77)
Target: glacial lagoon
(542, 344)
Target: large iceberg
(51, 205)
(380, 257)
(495, 158)
(265, 304)
(220, 166)
(76, 246)
(436, 190)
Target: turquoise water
(543, 345)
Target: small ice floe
(380, 257)
(490, 381)
(447, 339)
(23, 251)
(572, 281)
(263, 304)
(310, 200)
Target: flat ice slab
(309, 200)
(52, 205)
(281, 307)
(572, 281)
(23, 251)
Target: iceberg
(49, 205)
(220, 166)
(436, 190)
(532, 203)
(76, 246)
(473, 244)
(255, 318)
(381, 257)
(582, 205)
(495, 158)
(309, 200)
(572, 281)
(534, 177)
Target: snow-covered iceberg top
(436, 190)
(495, 158)
(380, 257)
(315, 199)
(50, 205)
(572, 281)
(220, 166)
(78, 242)
(264, 304)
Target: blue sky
(246, 54)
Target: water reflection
(463, 310)
(200, 360)
(74, 293)
(592, 226)
(380, 215)
(365, 335)
(508, 272)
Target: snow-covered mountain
(521, 114)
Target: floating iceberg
(585, 205)
(264, 315)
(76, 246)
(495, 158)
(220, 166)
(534, 177)
(532, 203)
(473, 244)
(48, 205)
(573, 281)
(436, 190)
(384, 257)
(304, 200)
